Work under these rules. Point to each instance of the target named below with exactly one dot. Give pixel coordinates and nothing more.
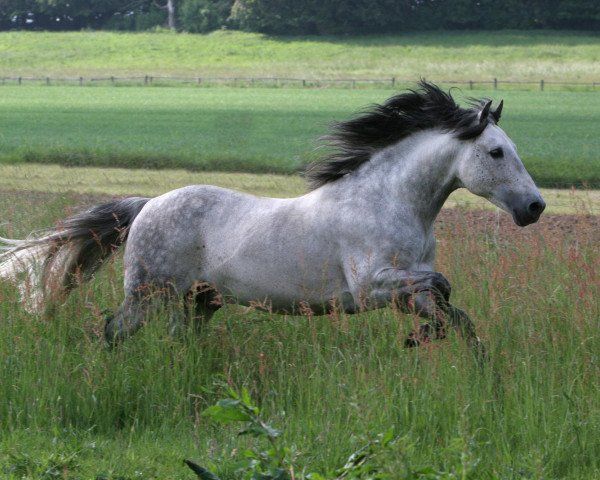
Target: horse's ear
(485, 111)
(496, 113)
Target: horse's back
(166, 242)
(247, 246)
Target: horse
(361, 238)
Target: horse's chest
(425, 255)
(414, 250)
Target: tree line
(300, 17)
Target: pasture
(72, 409)
(260, 130)
(507, 55)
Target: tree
(200, 16)
(318, 17)
(578, 15)
(75, 14)
(170, 7)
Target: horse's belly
(280, 289)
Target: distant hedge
(290, 17)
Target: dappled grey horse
(361, 238)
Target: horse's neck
(417, 174)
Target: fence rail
(390, 82)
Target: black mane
(354, 141)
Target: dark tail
(52, 260)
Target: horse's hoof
(109, 336)
(417, 338)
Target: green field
(260, 130)
(510, 55)
(72, 409)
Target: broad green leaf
(315, 476)
(251, 454)
(387, 437)
(226, 411)
(246, 396)
(260, 430)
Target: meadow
(73, 409)
(261, 130)
(70, 408)
(507, 55)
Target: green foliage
(66, 14)
(199, 16)
(309, 16)
(316, 17)
(367, 16)
(278, 462)
(145, 17)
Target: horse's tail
(48, 264)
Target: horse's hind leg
(199, 305)
(128, 319)
(206, 301)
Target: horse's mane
(354, 141)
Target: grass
(105, 182)
(71, 409)
(510, 55)
(259, 130)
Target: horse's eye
(497, 153)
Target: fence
(391, 82)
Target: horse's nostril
(536, 208)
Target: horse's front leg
(462, 322)
(426, 294)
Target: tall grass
(533, 411)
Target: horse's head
(491, 168)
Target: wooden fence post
(542, 85)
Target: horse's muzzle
(529, 212)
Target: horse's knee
(440, 285)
